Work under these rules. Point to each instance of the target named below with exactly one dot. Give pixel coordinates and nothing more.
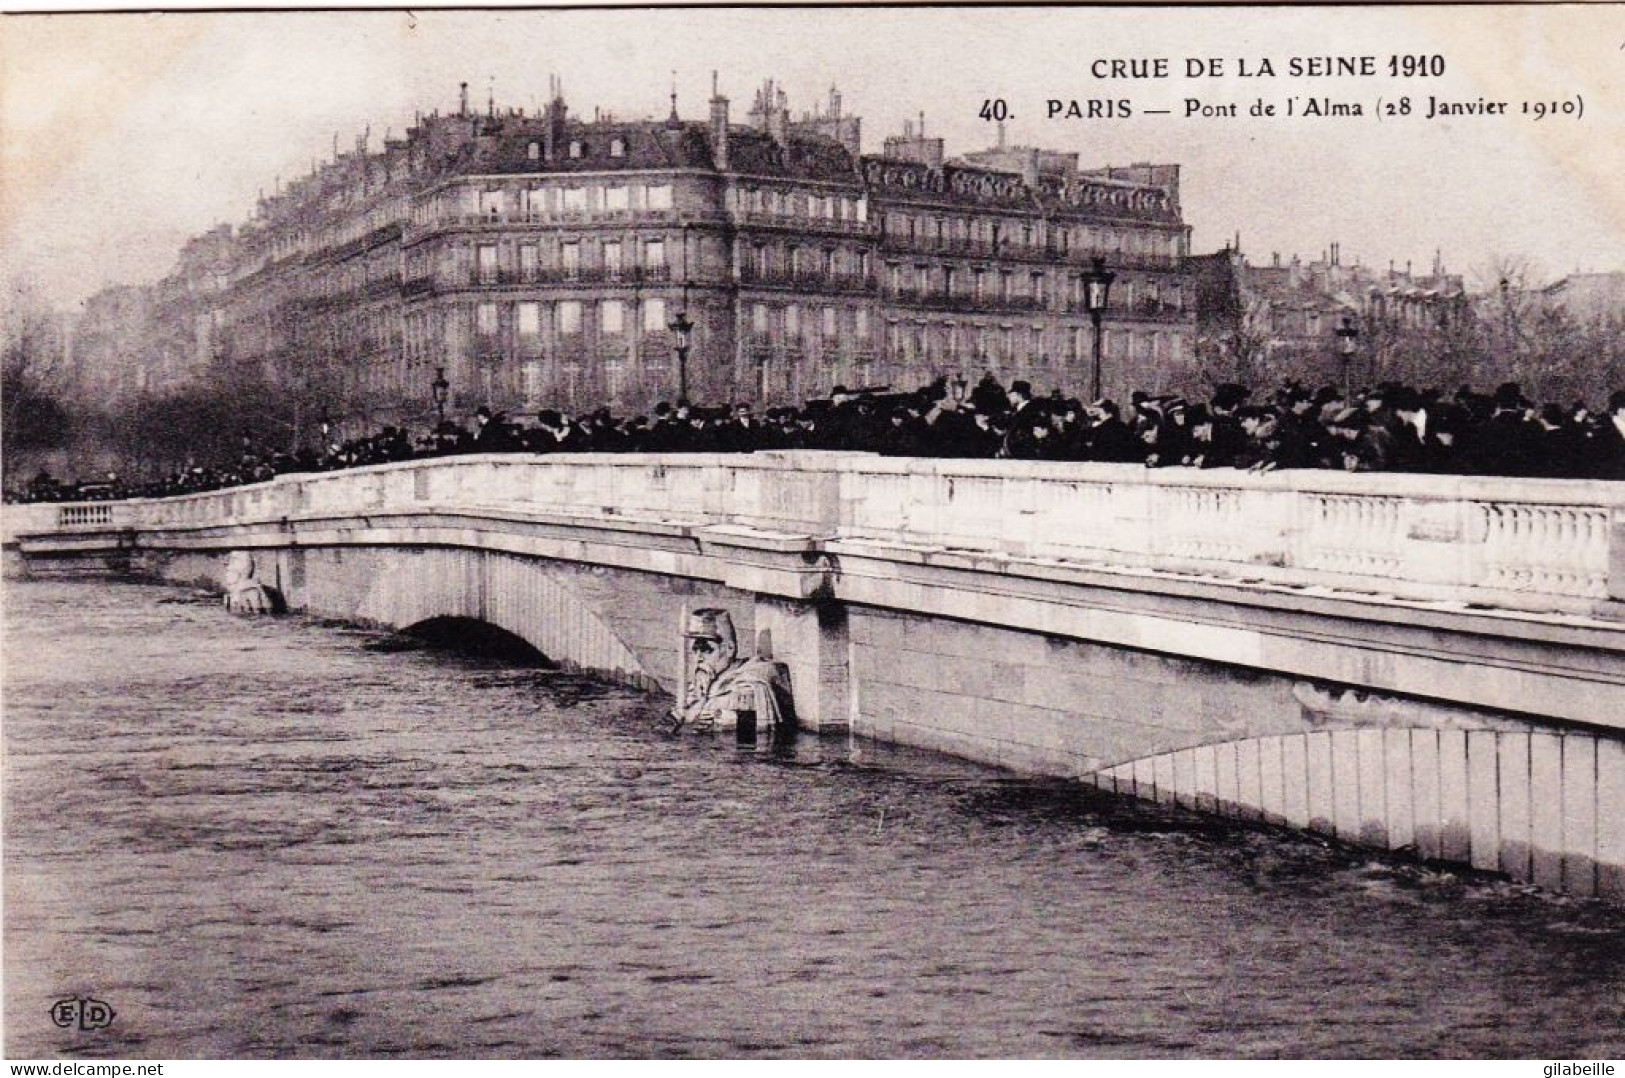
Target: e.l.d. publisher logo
(81, 1012)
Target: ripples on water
(289, 838)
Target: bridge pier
(812, 639)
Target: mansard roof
(755, 153)
(503, 147)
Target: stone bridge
(1420, 663)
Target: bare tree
(35, 383)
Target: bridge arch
(403, 587)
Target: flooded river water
(280, 837)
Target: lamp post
(1346, 334)
(1097, 287)
(440, 389)
(684, 329)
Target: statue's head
(710, 638)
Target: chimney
(778, 120)
(834, 103)
(719, 126)
(462, 99)
(553, 118)
(1001, 134)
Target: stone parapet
(1515, 544)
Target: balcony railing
(940, 301)
(802, 224)
(544, 217)
(629, 275)
(807, 278)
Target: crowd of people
(1387, 427)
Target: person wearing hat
(1607, 449)
(1107, 438)
(1342, 447)
(1389, 442)
(1508, 441)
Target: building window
(527, 261)
(792, 321)
(534, 151)
(532, 374)
(654, 253)
(660, 196)
(530, 319)
(617, 147)
(615, 199)
(491, 203)
(570, 258)
(612, 316)
(485, 320)
(829, 323)
(612, 257)
(569, 317)
(1037, 344)
(862, 326)
(758, 319)
(485, 259)
(575, 200)
(576, 149)
(759, 260)
(654, 316)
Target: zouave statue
(719, 686)
(244, 594)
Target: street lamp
(1097, 286)
(1346, 334)
(684, 329)
(440, 389)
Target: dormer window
(575, 148)
(617, 147)
(534, 151)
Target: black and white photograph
(814, 533)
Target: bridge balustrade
(1520, 544)
(1538, 545)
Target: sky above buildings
(123, 135)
